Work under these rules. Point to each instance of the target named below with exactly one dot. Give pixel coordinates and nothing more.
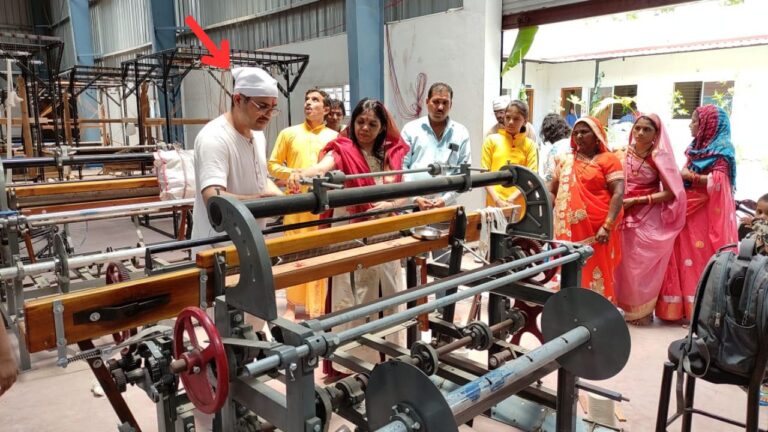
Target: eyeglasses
(264, 108)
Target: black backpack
(729, 316)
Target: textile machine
(251, 381)
(43, 211)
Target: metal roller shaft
(86, 214)
(306, 202)
(74, 262)
(466, 340)
(75, 160)
(259, 367)
(169, 246)
(432, 288)
(386, 173)
(474, 392)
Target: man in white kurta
(230, 151)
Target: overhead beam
(585, 9)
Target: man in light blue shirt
(436, 138)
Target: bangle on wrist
(650, 199)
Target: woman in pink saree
(654, 214)
(709, 177)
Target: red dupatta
(350, 160)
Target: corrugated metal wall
(57, 16)
(255, 25)
(267, 23)
(64, 32)
(16, 15)
(396, 10)
(120, 29)
(516, 6)
(123, 28)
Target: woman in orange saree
(588, 185)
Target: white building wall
(328, 67)
(459, 47)
(655, 77)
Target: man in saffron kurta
(298, 147)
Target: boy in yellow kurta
(298, 147)
(509, 146)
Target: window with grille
(687, 98)
(719, 93)
(619, 110)
(690, 95)
(341, 93)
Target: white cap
(254, 82)
(500, 103)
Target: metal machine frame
(229, 376)
(40, 81)
(167, 69)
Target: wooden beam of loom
(90, 205)
(319, 238)
(88, 122)
(17, 121)
(176, 121)
(44, 189)
(67, 116)
(40, 332)
(26, 130)
(100, 121)
(183, 287)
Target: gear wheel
(155, 372)
(121, 381)
(528, 247)
(248, 423)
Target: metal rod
(259, 367)
(470, 394)
(74, 262)
(432, 288)
(30, 162)
(183, 244)
(398, 318)
(327, 221)
(305, 202)
(461, 343)
(52, 218)
(387, 173)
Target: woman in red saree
(588, 184)
(709, 176)
(371, 143)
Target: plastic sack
(175, 173)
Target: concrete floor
(49, 398)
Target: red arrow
(219, 57)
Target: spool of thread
(601, 410)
